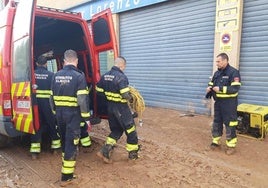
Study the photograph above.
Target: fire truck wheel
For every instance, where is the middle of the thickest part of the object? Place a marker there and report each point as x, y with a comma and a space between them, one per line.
3, 140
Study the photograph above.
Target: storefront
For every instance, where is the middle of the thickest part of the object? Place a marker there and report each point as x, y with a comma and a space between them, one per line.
169, 46
253, 54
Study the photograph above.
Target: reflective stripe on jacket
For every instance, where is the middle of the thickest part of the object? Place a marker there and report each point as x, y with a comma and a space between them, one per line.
43, 79
69, 89
228, 80
118, 85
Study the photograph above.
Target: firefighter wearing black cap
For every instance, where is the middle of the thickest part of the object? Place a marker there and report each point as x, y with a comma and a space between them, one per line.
224, 87
47, 118
71, 101
114, 85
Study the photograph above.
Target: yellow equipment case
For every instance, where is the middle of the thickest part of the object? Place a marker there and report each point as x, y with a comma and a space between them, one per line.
252, 120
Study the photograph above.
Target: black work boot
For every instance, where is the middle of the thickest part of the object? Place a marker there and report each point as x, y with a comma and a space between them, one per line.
214, 146
133, 155
105, 153
68, 179
230, 151
35, 155
56, 151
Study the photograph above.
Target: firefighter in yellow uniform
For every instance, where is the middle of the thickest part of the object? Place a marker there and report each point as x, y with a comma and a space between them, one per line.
224, 88
71, 102
114, 86
47, 118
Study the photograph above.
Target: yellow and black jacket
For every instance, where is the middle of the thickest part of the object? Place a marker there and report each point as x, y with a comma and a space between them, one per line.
43, 81
114, 85
229, 82
69, 90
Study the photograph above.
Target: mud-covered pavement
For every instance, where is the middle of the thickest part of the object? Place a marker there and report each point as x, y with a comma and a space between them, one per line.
173, 154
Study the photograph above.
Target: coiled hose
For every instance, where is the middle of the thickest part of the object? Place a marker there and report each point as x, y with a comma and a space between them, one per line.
137, 104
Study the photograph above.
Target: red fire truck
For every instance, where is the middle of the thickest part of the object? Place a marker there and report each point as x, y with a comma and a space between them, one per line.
27, 31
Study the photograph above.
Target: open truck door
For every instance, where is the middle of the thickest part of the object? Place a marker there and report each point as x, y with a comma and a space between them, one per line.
103, 39
25, 110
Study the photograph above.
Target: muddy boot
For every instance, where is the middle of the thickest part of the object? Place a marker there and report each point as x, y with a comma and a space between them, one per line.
72, 181
133, 155
34, 156
56, 151
214, 146
230, 151
68, 179
67, 183
105, 153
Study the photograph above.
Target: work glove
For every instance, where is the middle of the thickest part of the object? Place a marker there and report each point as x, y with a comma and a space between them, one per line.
134, 114
209, 95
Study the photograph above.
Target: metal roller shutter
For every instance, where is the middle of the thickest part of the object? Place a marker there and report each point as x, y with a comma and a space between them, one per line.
169, 52
254, 53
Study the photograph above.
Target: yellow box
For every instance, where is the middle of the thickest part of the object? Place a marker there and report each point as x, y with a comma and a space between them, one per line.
252, 120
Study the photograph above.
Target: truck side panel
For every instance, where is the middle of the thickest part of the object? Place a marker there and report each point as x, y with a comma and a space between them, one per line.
33, 32
6, 25
23, 99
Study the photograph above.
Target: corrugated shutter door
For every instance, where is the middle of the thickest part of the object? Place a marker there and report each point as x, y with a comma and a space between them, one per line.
169, 52
254, 53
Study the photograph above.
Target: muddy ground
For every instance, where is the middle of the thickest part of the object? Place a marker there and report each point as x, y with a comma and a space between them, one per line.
174, 154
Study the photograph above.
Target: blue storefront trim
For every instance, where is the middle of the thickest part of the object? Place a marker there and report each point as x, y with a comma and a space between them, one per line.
92, 7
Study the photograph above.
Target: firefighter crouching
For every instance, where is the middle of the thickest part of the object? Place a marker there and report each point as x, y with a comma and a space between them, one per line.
114, 86
71, 102
47, 118
224, 88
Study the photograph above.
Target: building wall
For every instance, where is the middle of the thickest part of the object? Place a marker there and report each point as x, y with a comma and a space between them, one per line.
250, 59
253, 64
170, 54
60, 4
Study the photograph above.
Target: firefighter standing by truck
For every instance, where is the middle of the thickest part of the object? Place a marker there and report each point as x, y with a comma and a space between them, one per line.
224, 88
71, 102
114, 86
47, 118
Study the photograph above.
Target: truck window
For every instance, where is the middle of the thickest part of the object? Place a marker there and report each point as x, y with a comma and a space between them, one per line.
106, 61
101, 31
22, 42
52, 65
21, 68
